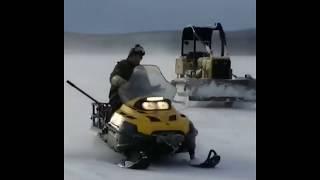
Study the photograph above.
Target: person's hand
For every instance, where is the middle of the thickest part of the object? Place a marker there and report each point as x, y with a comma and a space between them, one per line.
117, 81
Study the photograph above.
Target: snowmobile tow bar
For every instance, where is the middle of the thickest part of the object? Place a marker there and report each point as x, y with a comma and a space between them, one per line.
71, 84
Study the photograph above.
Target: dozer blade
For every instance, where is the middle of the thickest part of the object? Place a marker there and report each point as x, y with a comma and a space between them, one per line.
223, 90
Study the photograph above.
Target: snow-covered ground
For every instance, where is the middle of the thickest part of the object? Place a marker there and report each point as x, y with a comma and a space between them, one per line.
231, 132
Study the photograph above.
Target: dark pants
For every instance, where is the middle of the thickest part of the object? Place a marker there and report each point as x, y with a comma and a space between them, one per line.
115, 103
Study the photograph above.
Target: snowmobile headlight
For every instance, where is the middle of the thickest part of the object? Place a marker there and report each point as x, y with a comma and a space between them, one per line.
160, 105
149, 105
163, 105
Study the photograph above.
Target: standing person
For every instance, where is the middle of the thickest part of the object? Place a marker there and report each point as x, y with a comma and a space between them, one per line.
122, 73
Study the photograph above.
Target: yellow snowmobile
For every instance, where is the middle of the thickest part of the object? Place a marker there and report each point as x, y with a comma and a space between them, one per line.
147, 125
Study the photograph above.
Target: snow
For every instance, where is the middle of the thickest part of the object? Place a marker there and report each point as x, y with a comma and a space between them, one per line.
231, 132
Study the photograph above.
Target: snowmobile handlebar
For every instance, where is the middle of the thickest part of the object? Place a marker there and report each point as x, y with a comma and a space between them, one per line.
71, 84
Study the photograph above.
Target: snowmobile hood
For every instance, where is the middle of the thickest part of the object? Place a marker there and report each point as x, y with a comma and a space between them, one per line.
149, 122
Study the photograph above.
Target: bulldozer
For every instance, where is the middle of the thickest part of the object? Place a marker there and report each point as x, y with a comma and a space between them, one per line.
204, 70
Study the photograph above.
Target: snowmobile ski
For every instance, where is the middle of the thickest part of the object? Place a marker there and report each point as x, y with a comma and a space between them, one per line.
143, 162
212, 160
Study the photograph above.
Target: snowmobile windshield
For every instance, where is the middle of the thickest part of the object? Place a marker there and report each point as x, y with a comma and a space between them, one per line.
146, 81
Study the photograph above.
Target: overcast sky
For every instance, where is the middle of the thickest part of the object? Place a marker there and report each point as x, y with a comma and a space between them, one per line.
121, 16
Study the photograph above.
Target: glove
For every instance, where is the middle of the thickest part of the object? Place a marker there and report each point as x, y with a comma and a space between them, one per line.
117, 81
